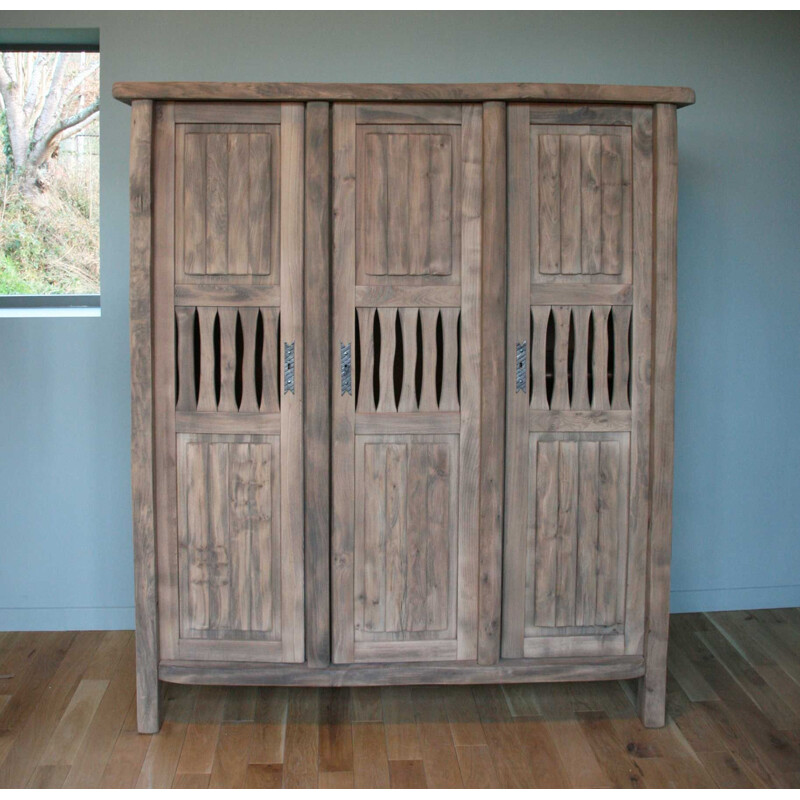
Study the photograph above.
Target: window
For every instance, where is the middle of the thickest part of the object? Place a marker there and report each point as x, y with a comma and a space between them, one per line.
49, 175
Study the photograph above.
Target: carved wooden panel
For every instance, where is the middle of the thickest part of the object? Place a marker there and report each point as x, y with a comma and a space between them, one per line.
408, 203
406, 402
229, 537
577, 531
579, 358
406, 538
580, 203
227, 202
407, 359
228, 359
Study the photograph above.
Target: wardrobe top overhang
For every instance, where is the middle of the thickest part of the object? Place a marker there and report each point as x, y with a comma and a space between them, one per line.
406, 92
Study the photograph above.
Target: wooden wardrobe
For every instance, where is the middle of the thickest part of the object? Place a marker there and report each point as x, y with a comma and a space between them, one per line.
402, 383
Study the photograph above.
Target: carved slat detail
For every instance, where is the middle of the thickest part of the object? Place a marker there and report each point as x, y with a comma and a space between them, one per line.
207, 397
622, 361
449, 397
227, 356
386, 319
187, 398
249, 320
600, 358
427, 400
408, 330
366, 324
560, 399
581, 343
539, 357
269, 361
580, 362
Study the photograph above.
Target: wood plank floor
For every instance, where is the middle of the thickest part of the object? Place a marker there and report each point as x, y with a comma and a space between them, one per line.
67, 719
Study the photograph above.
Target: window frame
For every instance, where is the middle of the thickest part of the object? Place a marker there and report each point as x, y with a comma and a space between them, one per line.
55, 40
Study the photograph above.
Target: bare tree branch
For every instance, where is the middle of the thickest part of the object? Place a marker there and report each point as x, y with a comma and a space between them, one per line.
32, 95
10, 66
52, 105
15, 120
5, 78
40, 146
76, 82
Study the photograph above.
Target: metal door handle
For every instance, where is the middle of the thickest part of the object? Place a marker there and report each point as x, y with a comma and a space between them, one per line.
522, 366
288, 367
345, 368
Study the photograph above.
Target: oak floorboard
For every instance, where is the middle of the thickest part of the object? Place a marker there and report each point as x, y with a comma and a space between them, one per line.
336, 780
161, 761
477, 767
264, 776
54, 697
370, 764
229, 770
101, 736
301, 750
405, 774
335, 732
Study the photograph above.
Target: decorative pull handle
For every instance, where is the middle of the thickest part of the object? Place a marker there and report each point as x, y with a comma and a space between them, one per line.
522, 366
288, 367
345, 368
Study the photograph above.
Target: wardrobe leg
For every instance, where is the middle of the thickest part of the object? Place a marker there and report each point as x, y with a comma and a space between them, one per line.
149, 700
652, 697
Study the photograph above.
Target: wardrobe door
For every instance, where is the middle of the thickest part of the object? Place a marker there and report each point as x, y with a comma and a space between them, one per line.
578, 390
228, 396
406, 345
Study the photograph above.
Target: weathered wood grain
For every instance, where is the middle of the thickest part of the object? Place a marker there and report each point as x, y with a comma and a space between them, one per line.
144, 531
653, 686
399, 92
492, 382
318, 354
343, 421
292, 402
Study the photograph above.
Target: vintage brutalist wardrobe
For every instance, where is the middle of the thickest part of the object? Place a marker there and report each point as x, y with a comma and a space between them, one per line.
402, 383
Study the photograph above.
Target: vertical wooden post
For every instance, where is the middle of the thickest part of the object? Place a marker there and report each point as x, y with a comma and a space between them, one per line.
144, 538
319, 356
493, 369
652, 687
517, 441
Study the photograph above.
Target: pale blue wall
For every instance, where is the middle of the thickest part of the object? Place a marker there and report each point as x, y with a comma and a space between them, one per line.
65, 531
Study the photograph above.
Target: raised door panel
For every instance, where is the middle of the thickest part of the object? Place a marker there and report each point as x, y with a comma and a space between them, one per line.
229, 537
407, 199
578, 400
576, 543
580, 203
227, 196
228, 350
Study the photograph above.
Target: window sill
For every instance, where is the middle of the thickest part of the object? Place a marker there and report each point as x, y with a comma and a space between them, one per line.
76, 305
66, 311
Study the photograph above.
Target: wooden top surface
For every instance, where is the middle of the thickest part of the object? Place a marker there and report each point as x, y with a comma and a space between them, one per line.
406, 92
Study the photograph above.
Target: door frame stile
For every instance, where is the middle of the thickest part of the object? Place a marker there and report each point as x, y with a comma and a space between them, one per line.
343, 405
142, 432
652, 687
165, 455
517, 433
641, 376
292, 477
319, 352
493, 368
